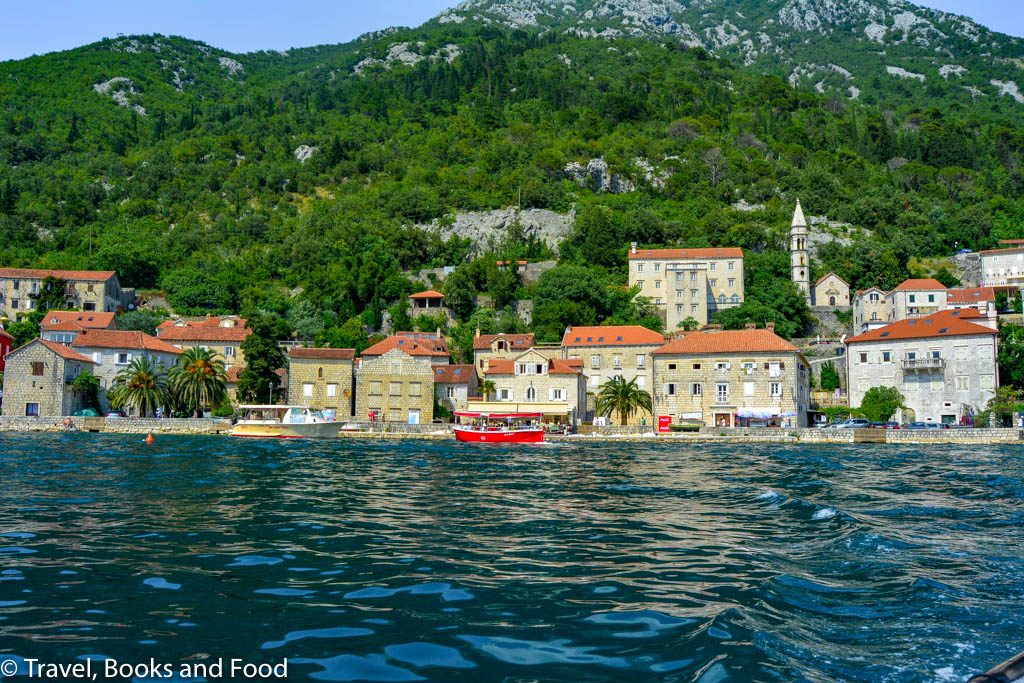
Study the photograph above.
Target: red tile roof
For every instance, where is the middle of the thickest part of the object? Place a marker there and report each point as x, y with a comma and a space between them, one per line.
76, 320
454, 374
970, 295
507, 366
5, 335
322, 354
519, 342
942, 324
714, 252
122, 339
74, 275
727, 341
919, 284
611, 335
429, 294
1011, 250
63, 351
203, 330
412, 343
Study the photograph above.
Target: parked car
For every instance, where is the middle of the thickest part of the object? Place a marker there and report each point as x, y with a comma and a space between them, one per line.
854, 423
885, 425
115, 413
916, 425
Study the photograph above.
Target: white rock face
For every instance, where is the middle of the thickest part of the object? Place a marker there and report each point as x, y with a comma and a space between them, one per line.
815, 15
743, 206
900, 72
723, 35
406, 54
234, 68
876, 32
947, 70
975, 93
122, 91
596, 177
854, 92
1010, 89
654, 177
489, 229
304, 153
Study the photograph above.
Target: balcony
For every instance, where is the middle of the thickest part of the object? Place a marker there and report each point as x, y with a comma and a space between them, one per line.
924, 364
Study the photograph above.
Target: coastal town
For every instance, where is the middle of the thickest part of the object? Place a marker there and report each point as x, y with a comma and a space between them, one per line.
937, 347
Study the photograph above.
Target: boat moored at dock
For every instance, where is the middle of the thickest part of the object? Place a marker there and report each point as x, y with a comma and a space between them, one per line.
284, 422
499, 428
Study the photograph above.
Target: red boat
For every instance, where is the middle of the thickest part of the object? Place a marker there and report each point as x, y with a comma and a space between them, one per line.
499, 428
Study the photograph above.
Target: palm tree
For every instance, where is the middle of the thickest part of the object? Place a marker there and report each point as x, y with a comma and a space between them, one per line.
141, 385
487, 388
622, 397
198, 380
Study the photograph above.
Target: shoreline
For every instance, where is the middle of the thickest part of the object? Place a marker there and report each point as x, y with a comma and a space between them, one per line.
214, 426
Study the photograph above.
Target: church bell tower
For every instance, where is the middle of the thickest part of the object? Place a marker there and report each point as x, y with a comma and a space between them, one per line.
799, 266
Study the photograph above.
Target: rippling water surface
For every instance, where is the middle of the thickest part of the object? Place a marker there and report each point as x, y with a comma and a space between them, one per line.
436, 561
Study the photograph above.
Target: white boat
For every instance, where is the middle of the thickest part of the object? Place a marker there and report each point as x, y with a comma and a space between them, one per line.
283, 422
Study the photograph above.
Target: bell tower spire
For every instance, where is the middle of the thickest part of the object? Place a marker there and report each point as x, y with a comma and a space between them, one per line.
798, 257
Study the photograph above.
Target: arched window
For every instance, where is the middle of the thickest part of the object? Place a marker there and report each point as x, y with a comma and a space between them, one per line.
721, 298
319, 373
531, 394
735, 298
831, 301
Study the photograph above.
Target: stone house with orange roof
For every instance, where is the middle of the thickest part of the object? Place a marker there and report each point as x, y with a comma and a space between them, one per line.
729, 378
830, 291
111, 351
536, 382
944, 364
38, 380
322, 379
501, 345
63, 326
688, 283
454, 385
223, 335
915, 297
429, 345
86, 290
396, 387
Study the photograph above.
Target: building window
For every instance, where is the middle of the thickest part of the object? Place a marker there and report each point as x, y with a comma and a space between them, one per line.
31, 410
332, 390
595, 362
774, 369
912, 298
775, 389
657, 267
935, 353
395, 388
396, 366
617, 361
721, 366
670, 389
721, 298
88, 306
732, 282
693, 276
714, 283
679, 309
531, 394
863, 358
693, 308
640, 284
229, 351
886, 357
416, 389
449, 392
873, 297
374, 388
657, 284
671, 366
16, 284
962, 383
722, 392
557, 394
931, 298
735, 298
124, 358
639, 267
504, 394
394, 415
641, 361
37, 369
711, 266
732, 265
696, 389
14, 304
319, 373
307, 391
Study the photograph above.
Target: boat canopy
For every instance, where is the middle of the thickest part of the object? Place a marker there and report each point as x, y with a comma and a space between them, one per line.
501, 416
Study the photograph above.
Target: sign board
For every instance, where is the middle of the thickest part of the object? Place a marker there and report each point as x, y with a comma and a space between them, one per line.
664, 422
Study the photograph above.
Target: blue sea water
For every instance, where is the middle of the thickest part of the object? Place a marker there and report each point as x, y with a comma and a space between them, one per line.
388, 561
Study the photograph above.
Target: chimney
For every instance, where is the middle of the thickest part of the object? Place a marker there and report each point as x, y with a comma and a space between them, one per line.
632, 247
476, 335
438, 333
770, 326
750, 326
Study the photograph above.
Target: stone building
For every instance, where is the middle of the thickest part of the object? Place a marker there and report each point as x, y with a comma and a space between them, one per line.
63, 326
980, 298
1002, 267
37, 381
428, 345
943, 364
430, 302
454, 385
728, 378
222, 335
688, 283
915, 298
799, 258
869, 310
6, 344
536, 383
112, 351
395, 387
322, 379
487, 346
830, 291
85, 290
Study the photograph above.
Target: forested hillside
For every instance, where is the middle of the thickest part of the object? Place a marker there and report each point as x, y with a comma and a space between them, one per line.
291, 182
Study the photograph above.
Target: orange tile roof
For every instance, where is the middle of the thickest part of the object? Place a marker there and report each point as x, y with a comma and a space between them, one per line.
919, 284
611, 335
75, 275
727, 341
714, 252
204, 330
59, 320
454, 374
1011, 250
429, 294
507, 366
942, 324
322, 354
970, 295
519, 342
412, 343
122, 339
63, 351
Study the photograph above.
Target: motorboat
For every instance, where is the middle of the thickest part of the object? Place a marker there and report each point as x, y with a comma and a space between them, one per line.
499, 428
283, 422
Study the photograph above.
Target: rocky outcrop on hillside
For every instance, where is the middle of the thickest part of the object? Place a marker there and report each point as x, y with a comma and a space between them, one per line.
488, 229
122, 90
408, 54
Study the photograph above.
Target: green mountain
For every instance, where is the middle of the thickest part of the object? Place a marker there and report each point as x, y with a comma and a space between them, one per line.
300, 183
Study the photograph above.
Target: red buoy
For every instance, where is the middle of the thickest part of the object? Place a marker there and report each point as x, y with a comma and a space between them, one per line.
149, 439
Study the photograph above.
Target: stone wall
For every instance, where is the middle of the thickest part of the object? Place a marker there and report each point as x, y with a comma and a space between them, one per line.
964, 436
126, 425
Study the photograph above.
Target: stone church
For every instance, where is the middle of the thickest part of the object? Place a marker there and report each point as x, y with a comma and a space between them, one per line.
830, 290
